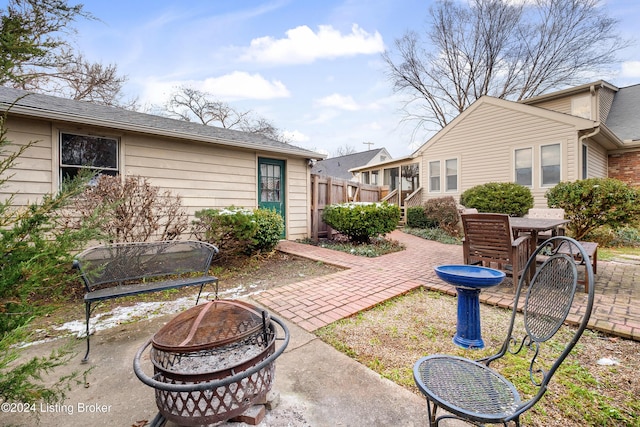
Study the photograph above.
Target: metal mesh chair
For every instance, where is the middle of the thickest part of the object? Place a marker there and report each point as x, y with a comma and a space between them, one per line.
474, 392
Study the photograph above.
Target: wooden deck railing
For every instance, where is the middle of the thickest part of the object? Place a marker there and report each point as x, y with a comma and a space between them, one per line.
414, 199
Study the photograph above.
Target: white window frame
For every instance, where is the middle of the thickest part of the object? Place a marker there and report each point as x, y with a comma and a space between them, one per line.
448, 189
439, 176
110, 169
531, 167
542, 164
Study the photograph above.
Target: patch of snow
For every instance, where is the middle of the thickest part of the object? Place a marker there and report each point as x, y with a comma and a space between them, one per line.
606, 361
120, 315
141, 310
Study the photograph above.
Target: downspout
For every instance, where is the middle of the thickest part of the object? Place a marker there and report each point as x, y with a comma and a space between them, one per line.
581, 140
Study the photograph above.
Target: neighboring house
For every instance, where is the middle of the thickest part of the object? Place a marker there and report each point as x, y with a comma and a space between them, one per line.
208, 167
587, 131
339, 167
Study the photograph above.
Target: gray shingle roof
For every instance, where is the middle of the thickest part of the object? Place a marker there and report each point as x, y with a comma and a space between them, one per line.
81, 112
624, 117
338, 167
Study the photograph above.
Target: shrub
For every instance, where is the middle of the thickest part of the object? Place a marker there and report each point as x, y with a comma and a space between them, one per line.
594, 202
417, 218
231, 229
239, 231
36, 259
362, 221
135, 210
437, 234
444, 212
498, 197
270, 227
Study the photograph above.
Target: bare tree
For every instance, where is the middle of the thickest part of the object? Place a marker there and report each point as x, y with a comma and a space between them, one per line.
36, 53
192, 104
510, 50
344, 150
84, 81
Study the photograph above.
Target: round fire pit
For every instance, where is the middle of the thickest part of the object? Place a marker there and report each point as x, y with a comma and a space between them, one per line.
212, 362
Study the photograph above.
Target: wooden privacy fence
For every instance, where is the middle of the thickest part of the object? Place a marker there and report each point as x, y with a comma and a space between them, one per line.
326, 190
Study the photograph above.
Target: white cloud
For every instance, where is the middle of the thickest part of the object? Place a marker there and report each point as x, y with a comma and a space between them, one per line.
242, 85
303, 46
343, 102
295, 136
232, 86
338, 101
630, 69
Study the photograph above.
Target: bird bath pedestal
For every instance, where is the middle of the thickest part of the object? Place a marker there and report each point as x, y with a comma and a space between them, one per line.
469, 280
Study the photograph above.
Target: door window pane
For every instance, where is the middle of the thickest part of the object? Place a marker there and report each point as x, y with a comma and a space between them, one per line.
270, 183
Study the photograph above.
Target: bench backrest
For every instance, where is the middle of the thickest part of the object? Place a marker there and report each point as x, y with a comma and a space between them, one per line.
120, 262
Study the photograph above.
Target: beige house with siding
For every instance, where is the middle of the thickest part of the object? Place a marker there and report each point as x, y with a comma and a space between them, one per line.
207, 167
587, 131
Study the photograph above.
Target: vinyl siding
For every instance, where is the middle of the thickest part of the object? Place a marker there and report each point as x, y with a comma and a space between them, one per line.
561, 105
605, 96
32, 173
484, 142
203, 175
597, 161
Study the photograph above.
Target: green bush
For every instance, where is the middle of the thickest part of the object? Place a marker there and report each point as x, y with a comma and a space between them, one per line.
231, 229
238, 231
417, 218
270, 227
592, 203
362, 221
37, 251
498, 197
444, 212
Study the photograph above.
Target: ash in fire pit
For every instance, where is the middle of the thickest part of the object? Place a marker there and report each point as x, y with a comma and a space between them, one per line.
212, 362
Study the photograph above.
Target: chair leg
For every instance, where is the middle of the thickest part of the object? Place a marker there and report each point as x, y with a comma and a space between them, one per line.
432, 413
199, 292
87, 306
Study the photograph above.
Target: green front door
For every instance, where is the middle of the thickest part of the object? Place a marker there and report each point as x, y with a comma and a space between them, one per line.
271, 186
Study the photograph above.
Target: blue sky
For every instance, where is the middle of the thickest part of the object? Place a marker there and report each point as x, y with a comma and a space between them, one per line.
311, 67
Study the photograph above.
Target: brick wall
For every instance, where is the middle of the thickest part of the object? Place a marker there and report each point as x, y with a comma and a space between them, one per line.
625, 167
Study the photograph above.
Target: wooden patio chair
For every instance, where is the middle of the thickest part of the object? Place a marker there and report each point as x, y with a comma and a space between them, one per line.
488, 241
477, 393
555, 213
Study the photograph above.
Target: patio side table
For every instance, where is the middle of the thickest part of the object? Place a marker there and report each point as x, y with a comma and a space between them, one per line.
469, 280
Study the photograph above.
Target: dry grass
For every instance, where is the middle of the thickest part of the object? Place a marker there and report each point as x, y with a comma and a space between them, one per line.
391, 337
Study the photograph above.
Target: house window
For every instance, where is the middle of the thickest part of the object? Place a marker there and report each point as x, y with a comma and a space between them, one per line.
391, 178
434, 176
550, 164
374, 177
451, 166
365, 178
581, 106
78, 152
524, 166
585, 161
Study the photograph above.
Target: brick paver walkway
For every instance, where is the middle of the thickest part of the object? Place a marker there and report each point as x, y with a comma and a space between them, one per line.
366, 282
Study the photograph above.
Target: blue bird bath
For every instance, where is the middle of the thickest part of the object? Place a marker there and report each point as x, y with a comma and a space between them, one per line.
469, 280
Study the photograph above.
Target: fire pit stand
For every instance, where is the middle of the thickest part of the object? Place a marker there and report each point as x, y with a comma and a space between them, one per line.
212, 362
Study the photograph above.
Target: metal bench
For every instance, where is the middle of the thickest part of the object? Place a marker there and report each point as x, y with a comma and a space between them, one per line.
475, 392
124, 269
